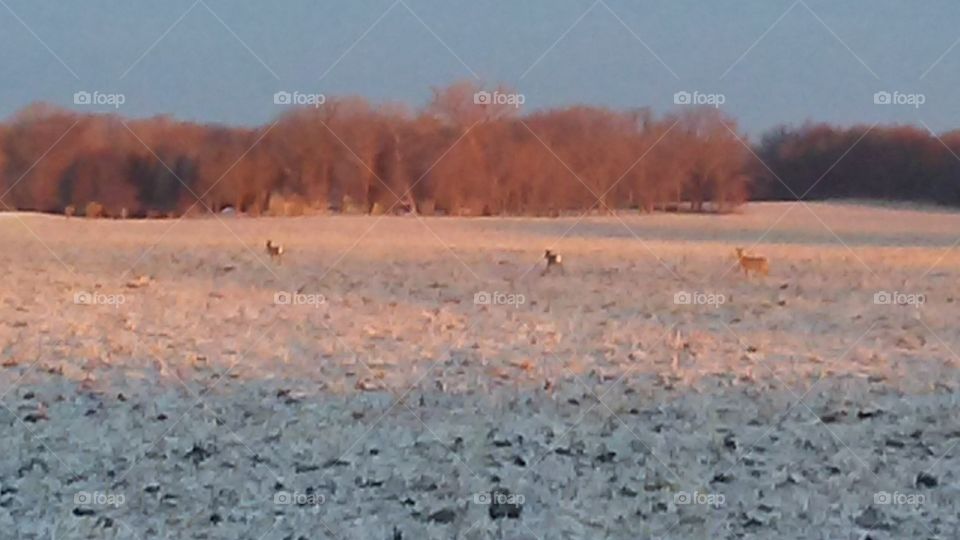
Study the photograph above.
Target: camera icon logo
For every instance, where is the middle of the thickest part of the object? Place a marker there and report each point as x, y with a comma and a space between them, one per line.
882, 298
683, 98
282, 497
882, 98
682, 298
82, 298
482, 98
82, 98
482, 298
681, 497
881, 497
82, 498
282, 298
283, 98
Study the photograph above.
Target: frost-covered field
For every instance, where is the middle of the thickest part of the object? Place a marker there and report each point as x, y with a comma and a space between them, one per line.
167, 380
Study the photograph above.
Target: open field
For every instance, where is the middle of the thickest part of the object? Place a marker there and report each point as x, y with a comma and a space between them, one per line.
165, 379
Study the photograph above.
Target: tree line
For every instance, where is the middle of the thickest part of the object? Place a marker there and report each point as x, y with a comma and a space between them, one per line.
458, 155
821, 161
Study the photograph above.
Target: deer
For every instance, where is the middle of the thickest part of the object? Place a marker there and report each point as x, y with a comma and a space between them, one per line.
758, 265
553, 259
275, 251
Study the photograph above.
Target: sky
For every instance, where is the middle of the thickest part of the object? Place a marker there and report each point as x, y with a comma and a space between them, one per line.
764, 62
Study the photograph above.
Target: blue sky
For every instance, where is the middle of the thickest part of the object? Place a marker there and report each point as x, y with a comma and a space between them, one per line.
221, 60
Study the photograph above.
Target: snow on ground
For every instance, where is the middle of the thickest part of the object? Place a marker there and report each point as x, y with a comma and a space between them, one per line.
419, 378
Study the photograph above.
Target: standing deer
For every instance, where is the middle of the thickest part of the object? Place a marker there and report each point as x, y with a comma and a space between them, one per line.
275, 251
553, 259
748, 263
